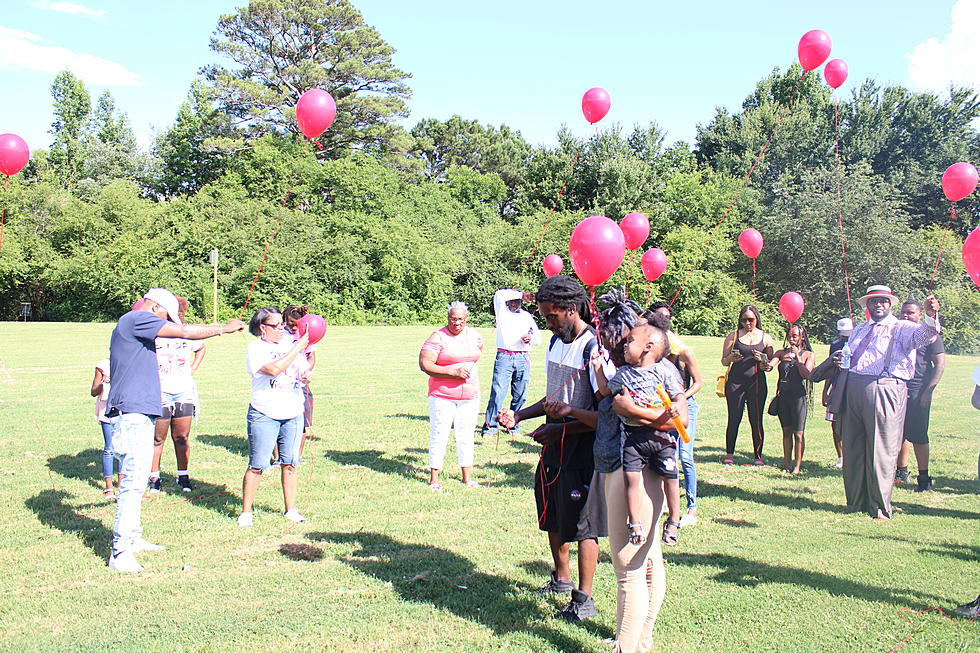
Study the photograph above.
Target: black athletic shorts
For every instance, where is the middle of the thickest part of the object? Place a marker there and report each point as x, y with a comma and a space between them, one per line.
917, 420
178, 409
650, 448
307, 407
569, 503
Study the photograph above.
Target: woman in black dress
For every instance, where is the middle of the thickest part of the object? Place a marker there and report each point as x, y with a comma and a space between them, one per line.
748, 351
795, 392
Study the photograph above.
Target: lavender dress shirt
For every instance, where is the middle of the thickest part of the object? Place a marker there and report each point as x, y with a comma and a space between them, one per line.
870, 341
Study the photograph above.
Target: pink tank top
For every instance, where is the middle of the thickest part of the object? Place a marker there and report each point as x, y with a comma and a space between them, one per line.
455, 351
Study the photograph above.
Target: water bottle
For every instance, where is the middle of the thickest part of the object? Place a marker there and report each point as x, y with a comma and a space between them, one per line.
845, 358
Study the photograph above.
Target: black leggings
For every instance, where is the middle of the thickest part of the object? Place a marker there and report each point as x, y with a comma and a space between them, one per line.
751, 394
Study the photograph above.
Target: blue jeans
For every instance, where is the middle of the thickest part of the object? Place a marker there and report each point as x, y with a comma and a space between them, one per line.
264, 433
686, 453
132, 445
107, 457
508, 369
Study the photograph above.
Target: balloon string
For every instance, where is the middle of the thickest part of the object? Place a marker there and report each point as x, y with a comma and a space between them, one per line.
745, 180
315, 142
547, 220
840, 212
649, 289
942, 243
268, 244
753, 278
629, 270
919, 628
3, 210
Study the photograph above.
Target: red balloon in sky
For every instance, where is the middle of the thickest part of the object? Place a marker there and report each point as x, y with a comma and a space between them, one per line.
971, 255
14, 154
552, 265
814, 48
653, 263
835, 72
791, 306
750, 242
315, 112
596, 248
959, 180
635, 228
595, 104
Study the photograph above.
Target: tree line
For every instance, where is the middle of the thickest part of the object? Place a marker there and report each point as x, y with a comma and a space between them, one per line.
380, 223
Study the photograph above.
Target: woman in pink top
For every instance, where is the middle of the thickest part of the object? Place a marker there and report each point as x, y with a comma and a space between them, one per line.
449, 357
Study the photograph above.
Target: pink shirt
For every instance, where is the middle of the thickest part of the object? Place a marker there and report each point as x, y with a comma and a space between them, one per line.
455, 351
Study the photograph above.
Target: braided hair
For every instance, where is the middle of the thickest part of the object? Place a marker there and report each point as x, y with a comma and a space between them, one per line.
619, 316
566, 293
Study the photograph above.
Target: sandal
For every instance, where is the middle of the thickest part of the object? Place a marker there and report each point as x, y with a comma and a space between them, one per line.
728, 461
472, 483
108, 492
636, 533
670, 539
435, 487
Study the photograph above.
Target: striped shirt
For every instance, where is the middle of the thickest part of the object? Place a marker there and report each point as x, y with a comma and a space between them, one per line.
870, 342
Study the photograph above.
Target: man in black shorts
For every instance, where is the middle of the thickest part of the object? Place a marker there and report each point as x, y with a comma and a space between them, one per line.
930, 363
569, 500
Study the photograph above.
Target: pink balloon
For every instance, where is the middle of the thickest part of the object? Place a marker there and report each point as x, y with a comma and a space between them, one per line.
552, 265
596, 248
814, 48
137, 305
315, 112
313, 323
636, 229
971, 255
653, 263
835, 72
14, 154
959, 180
791, 306
750, 242
595, 104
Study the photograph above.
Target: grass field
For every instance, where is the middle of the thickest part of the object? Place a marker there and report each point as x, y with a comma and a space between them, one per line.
384, 564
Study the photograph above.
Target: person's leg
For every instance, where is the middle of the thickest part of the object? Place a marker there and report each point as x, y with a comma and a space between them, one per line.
672, 496
132, 441
289, 432
635, 498
883, 446
787, 448
656, 574
755, 401
835, 428
903, 455
107, 457
588, 558
857, 412
922, 462
686, 455
464, 425
559, 555
250, 484
498, 391
518, 381
180, 431
262, 434
735, 399
441, 412
798, 446
307, 421
160, 431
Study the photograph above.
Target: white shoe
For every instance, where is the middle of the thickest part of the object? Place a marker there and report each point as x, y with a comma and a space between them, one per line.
245, 519
687, 519
143, 545
125, 562
295, 516
840, 463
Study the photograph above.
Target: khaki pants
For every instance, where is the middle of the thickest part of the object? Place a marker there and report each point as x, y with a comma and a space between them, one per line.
873, 417
640, 576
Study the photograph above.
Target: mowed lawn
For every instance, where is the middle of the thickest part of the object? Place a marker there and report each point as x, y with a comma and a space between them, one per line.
384, 564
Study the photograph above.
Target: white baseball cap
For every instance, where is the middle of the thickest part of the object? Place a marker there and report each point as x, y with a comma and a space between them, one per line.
164, 298
845, 325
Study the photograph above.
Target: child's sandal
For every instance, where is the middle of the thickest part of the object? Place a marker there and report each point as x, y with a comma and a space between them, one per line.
670, 539
636, 533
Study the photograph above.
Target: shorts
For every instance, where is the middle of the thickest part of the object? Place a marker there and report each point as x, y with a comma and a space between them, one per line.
653, 449
264, 433
307, 407
917, 420
181, 404
570, 502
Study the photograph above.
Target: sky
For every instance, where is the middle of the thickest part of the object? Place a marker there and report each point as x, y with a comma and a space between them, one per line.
523, 63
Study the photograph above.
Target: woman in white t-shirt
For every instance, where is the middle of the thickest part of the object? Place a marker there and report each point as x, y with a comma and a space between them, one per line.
177, 360
275, 413
100, 390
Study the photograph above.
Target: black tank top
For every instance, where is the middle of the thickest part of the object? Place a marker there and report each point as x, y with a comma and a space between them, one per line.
790, 381
746, 368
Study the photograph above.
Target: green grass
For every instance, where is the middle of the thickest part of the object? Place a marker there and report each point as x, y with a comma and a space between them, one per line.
384, 564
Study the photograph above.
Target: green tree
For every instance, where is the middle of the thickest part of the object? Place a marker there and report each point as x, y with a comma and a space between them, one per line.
72, 105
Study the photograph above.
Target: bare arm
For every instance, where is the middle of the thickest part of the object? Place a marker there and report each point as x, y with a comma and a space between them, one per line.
691, 362
97, 383
559, 409
728, 353
427, 363
198, 331
280, 365
805, 364
198, 358
937, 371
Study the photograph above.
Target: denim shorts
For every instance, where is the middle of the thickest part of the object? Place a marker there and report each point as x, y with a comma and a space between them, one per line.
178, 404
264, 433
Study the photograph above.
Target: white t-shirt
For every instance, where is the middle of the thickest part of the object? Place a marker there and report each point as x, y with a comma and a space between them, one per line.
174, 358
278, 397
572, 355
102, 401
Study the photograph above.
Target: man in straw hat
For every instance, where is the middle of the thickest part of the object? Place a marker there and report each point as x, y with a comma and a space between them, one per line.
874, 397
134, 404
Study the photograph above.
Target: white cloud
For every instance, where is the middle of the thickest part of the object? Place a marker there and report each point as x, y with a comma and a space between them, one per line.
69, 8
20, 50
935, 64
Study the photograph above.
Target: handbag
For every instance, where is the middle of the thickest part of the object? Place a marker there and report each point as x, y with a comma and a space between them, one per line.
774, 406
722, 379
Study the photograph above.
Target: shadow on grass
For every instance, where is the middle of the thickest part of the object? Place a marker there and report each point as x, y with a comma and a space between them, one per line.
810, 469
964, 552
51, 511
417, 418
513, 474
233, 443
751, 573
768, 498
302, 552
84, 466
448, 581
735, 523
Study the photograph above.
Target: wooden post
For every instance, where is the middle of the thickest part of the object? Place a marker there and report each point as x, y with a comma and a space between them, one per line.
214, 291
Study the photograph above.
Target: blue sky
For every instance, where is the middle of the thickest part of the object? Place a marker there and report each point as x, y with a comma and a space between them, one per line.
520, 63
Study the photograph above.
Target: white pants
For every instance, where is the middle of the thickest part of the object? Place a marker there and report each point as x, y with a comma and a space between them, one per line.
445, 414
132, 445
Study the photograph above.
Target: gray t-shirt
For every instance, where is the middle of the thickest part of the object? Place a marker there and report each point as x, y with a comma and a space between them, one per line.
641, 383
133, 361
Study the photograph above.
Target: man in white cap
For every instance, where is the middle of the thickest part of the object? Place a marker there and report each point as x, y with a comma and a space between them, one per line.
875, 397
133, 406
517, 332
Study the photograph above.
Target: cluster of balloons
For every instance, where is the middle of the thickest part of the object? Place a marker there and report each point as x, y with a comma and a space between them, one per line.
813, 50
315, 112
14, 154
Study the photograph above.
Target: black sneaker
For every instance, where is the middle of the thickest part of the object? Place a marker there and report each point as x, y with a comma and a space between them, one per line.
155, 485
580, 608
925, 484
902, 475
185, 483
969, 610
555, 586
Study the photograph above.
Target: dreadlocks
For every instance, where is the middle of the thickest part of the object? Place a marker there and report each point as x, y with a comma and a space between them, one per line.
566, 293
619, 316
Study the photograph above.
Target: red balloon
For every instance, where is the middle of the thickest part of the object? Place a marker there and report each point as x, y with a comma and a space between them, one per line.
137, 305
959, 180
595, 104
835, 72
791, 306
552, 265
315, 112
814, 48
596, 248
750, 242
314, 324
635, 228
653, 263
14, 154
971, 255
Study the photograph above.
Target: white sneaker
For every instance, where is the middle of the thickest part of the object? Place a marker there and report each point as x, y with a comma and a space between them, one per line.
245, 519
295, 516
840, 463
125, 562
687, 519
143, 545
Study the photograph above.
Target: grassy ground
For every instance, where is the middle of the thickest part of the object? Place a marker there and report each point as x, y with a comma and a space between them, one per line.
384, 564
